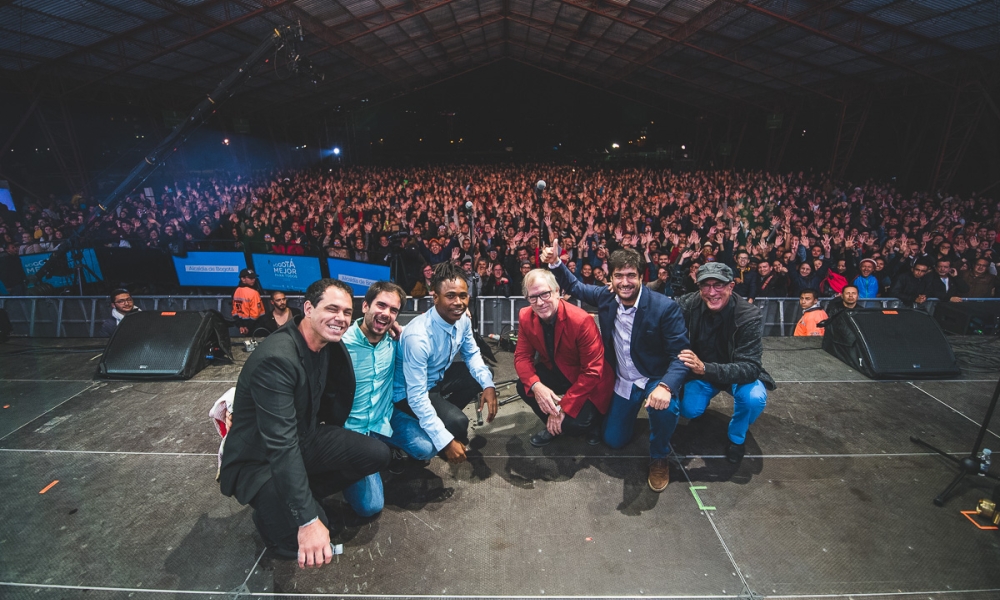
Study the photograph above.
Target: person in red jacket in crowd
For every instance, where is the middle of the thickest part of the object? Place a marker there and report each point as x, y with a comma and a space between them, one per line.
570, 385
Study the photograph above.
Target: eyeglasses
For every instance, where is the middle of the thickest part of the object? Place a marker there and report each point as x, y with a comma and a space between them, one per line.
543, 297
124, 301
718, 286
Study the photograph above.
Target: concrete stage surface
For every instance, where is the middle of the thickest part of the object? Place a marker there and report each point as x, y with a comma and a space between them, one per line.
832, 500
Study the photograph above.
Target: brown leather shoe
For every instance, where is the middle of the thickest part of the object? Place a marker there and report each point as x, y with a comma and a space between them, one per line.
659, 474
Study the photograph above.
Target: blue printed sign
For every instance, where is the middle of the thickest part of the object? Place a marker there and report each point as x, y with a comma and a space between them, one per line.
358, 275
286, 273
91, 271
210, 269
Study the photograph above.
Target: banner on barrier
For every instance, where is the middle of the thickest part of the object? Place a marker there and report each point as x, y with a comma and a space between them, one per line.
210, 269
31, 263
358, 275
286, 273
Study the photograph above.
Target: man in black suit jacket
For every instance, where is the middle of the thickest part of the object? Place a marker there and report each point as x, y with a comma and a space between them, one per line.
643, 334
284, 452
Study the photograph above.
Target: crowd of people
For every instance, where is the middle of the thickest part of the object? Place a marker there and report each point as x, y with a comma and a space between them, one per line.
781, 233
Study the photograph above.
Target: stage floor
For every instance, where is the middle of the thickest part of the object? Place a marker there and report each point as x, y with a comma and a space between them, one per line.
832, 500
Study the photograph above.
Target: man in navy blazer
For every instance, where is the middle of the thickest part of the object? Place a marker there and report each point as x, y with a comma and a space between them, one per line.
643, 333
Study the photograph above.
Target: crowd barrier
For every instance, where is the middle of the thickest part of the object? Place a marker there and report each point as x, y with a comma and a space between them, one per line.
81, 316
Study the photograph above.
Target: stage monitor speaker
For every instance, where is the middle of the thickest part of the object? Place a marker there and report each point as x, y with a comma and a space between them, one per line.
891, 344
165, 345
969, 318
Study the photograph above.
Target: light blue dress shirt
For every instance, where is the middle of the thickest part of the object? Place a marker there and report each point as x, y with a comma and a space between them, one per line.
426, 349
374, 370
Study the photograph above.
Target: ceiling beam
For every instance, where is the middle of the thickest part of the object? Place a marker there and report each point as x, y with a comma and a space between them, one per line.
837, 40
662, 34
175, 47
532, 23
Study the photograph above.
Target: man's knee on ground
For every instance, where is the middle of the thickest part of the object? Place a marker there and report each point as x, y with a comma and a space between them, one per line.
615, 440
369, 510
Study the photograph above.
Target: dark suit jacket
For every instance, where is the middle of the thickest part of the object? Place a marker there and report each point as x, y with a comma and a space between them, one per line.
579, 356
277, 406
658, 332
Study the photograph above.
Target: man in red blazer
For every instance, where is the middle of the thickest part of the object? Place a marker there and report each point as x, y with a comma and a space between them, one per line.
570, 385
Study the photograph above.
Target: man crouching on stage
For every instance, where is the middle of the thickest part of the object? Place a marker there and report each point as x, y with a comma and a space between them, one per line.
570, 385
279, 458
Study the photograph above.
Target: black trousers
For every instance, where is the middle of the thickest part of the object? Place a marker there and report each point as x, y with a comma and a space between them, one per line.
334, 458
453, 393
585, 420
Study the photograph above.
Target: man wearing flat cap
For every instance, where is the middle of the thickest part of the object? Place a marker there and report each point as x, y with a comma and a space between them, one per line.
726, 335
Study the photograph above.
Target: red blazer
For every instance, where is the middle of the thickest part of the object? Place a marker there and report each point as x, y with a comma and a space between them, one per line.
579, 356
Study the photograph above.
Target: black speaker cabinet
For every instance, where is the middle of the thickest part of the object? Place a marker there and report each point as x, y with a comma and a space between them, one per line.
891, 344
969, 318
165, 345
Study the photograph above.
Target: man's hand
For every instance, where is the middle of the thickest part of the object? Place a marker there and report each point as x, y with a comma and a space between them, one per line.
314, 545
396, 330
553, 258
455, 452
554, 424
659, 398
691, 361
921, 299
489, 398
954, 299
547, 400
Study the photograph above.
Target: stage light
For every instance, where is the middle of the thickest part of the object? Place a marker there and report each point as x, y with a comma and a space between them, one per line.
683, 147
336, 151
615, 146
225, 141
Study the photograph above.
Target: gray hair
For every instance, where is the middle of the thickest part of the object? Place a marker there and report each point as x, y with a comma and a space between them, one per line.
545, 275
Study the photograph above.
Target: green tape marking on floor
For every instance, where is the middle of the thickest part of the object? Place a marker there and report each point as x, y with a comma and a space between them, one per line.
694, 492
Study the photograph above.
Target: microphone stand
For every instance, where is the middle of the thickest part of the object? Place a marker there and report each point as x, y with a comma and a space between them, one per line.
971, 464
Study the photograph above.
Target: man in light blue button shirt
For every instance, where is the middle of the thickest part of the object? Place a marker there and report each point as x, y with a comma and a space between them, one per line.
435, 390
373, 354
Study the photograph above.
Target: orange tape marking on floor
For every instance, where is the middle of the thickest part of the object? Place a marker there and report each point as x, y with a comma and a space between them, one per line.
968, 515
49, 487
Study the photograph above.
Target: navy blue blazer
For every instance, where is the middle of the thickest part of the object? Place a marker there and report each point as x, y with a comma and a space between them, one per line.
658, 332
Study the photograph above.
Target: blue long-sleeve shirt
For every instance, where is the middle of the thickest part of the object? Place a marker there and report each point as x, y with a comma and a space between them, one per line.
426, 349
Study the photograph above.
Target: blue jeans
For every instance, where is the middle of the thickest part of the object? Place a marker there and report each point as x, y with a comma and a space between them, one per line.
619, 424
366, 496
749, 400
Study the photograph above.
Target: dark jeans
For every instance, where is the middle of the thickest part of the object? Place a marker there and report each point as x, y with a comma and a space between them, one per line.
455, 390
584, 421
334, 458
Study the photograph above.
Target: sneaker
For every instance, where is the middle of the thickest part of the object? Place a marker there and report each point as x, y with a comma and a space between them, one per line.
659, 474
735, 452
542, 438
397, 464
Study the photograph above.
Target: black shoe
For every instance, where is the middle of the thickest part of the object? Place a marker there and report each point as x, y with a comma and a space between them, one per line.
397, 464
542, 438
735, 452
594, 436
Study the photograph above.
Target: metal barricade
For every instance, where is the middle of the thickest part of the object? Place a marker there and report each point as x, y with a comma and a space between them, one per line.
81, 316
